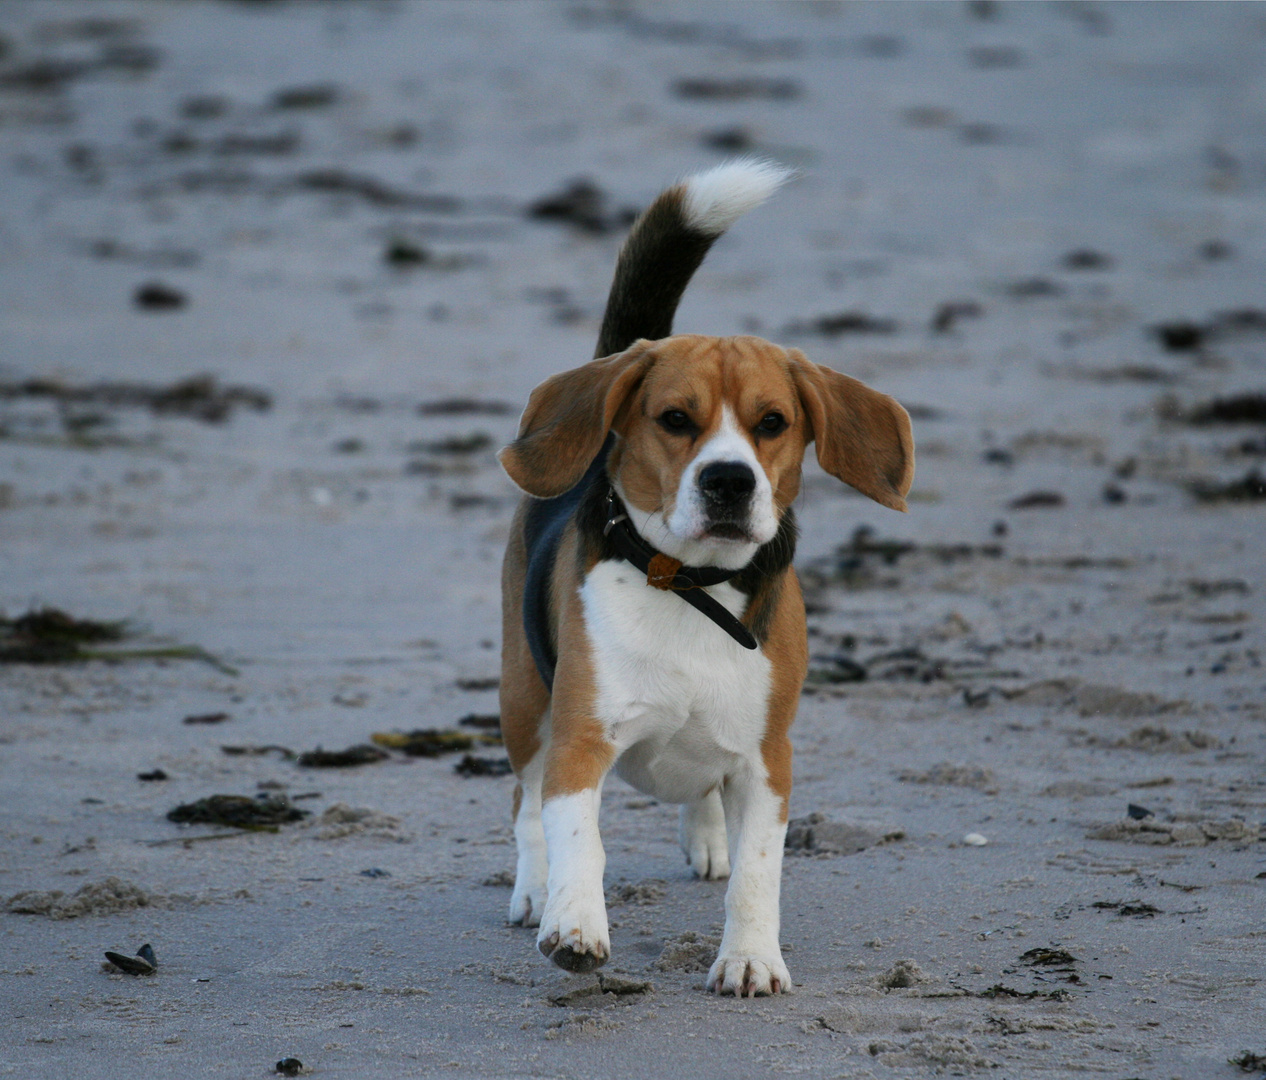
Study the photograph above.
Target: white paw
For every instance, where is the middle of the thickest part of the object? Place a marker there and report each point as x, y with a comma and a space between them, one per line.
707, 855
527, 903
574, 933
703, 837
749, 976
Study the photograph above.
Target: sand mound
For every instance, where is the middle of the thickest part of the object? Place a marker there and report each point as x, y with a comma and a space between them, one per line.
939, 1050
688, 952
902, 974
341, 820
1179, 833
106, 897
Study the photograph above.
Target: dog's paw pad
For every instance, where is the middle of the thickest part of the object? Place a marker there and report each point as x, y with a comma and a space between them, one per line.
578, 963
575, 950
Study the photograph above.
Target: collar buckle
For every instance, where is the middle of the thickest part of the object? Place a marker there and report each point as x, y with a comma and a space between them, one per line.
613, 518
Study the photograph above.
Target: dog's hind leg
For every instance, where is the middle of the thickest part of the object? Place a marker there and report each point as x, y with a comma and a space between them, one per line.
702, 836
531, 877
525, 716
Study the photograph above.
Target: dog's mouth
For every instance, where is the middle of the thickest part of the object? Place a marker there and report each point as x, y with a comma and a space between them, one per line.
726, 530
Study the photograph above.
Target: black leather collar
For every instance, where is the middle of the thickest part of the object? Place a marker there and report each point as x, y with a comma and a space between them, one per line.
664, 572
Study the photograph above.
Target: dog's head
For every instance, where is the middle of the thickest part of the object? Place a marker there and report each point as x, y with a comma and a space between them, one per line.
712, 432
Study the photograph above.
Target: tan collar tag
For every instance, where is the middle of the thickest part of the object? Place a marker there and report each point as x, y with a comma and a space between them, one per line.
662, 571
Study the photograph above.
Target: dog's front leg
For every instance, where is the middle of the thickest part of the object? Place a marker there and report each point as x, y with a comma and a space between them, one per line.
573, 929
749, 961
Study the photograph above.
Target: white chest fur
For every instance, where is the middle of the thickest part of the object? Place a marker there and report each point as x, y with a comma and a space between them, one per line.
680, 699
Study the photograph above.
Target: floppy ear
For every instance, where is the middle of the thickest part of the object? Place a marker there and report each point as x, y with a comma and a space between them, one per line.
567, 419
863, 437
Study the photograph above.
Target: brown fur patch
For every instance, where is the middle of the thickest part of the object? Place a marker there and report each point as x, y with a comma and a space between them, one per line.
863, 437
579, 753
524, 696
787, 647
567, 419
758, 617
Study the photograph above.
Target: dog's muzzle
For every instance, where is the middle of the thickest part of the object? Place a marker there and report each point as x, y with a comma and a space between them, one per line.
726, 487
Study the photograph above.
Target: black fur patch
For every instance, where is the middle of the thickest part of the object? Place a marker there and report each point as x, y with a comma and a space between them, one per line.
543, 529
653, 270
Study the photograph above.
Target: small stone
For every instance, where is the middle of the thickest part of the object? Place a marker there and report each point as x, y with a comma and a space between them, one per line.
975, 839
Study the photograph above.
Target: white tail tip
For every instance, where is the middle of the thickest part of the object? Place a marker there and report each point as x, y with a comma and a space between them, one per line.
715, 199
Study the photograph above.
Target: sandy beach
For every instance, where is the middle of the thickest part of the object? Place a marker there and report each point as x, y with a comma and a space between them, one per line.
277, 280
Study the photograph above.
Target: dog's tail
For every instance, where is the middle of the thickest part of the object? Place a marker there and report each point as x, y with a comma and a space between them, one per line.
669, 241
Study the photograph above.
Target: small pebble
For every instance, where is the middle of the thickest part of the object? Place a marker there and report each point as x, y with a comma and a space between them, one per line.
975, 839
291, 1066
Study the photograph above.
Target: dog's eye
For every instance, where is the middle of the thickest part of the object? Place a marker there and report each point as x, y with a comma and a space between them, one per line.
675, 420
771, 424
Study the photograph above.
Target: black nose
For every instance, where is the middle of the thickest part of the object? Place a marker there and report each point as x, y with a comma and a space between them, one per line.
727, 483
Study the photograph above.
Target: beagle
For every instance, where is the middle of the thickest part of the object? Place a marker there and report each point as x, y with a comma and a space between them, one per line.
652, 622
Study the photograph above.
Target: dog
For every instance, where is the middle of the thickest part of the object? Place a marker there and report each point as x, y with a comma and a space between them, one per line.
652, 621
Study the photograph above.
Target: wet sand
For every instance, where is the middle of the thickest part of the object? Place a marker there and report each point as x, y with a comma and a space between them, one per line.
1042, 228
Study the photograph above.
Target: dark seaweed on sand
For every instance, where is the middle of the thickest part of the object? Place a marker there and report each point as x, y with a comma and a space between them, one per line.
342, 759
1186, 335
1251, 487
199, 397
482, 766
737, 89
1136, 910
836, 669
1249, 1062
50, 636
264, 812
583, 205
462, 406
998, 990
431, 742
856, 562
1238, 409
1048, 957
453, 444
1035, 500
844, 322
